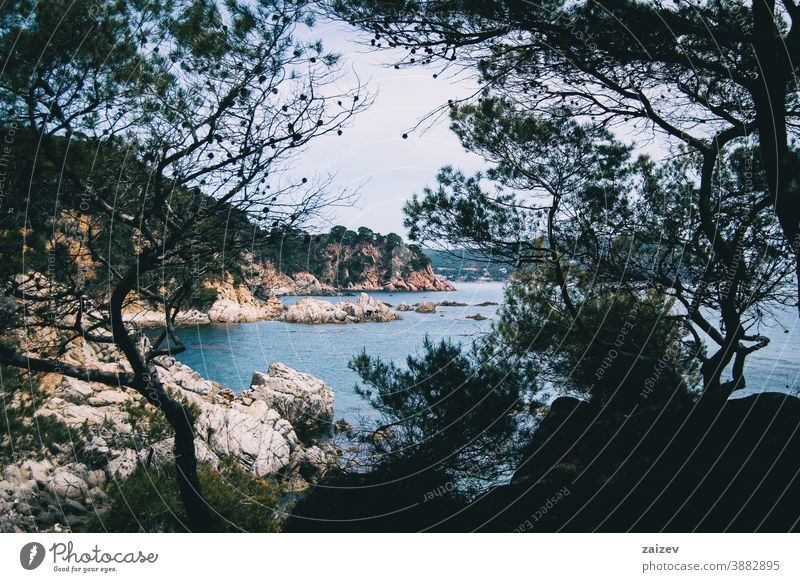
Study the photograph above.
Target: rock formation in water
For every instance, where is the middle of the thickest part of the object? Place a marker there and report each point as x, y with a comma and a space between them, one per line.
238, 304
425, 307
112, 431
477, 317
366, 309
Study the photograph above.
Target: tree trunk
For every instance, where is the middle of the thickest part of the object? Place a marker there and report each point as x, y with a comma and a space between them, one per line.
179, 417
781, 165
713, 386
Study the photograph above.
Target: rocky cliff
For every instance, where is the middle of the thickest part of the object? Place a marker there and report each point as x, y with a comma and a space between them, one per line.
306, 264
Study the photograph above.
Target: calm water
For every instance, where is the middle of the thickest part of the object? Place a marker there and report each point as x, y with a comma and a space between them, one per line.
776, 368
228, 353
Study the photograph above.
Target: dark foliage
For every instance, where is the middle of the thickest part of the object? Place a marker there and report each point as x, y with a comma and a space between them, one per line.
341, 258
149, 501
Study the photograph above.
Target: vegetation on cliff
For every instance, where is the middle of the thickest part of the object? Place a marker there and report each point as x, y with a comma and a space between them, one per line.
347, 259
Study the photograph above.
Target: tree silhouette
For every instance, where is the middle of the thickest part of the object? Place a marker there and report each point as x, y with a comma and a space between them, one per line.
592, 225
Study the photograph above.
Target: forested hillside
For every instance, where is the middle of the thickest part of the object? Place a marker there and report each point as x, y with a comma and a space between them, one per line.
341, 259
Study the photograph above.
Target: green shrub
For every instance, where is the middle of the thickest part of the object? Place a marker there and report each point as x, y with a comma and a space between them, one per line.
23, 436
147, 422
149, 501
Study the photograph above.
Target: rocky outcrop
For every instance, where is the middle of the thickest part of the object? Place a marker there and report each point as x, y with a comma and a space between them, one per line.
324, 264
113, 431
477, 317
268, 281
425, 307
231, 304
423, 279
403, 306
40, 495
302, 399
147, 316
365, 309
238, 305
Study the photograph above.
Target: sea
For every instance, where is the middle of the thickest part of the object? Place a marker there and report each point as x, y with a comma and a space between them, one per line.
229, 353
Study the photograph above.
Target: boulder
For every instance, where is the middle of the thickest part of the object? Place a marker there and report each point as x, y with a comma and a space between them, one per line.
67, 485
403, 306
477, 317
305, 401
262, 443
425, 307
316, 461
109, 398
38, 471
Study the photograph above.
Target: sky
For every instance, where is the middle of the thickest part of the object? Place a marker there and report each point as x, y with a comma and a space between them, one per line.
371, 155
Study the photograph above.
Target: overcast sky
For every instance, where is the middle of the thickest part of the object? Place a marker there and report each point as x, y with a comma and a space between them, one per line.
372, 153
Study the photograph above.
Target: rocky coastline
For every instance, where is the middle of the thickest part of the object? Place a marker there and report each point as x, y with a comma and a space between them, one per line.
266, 430
238, 304
267, 281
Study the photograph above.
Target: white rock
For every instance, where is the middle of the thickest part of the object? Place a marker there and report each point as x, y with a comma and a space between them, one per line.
76, 389
13, 474
305, 401
366, 309
65, 484
96, 479
263, 444
315, 461
109, 397
36, 470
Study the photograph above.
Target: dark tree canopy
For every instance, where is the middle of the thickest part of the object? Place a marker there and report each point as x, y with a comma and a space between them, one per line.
705, 74
587, 224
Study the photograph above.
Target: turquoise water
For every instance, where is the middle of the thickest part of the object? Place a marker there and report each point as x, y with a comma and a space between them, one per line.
228, 353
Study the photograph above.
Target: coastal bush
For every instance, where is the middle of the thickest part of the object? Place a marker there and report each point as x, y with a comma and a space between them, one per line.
450, 428
447, 410
22, 435
624, 346
149, 501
